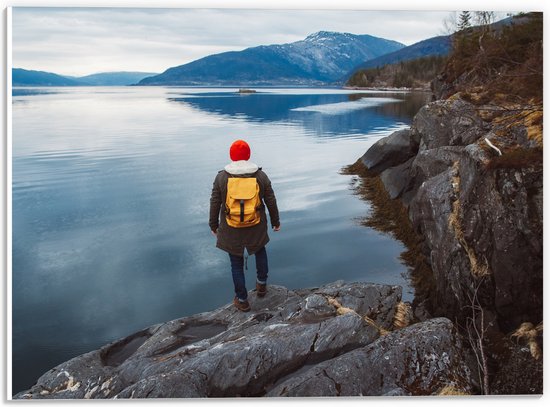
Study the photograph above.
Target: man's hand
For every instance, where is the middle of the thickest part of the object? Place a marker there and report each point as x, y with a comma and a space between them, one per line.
215, 232
276, 228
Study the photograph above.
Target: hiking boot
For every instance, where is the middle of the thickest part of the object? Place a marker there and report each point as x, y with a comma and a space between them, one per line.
243, 306
261, 289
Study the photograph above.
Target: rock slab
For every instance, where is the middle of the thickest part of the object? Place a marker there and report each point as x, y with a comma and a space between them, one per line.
286, 338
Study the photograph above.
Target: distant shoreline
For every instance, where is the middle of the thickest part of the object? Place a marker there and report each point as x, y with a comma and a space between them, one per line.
386, 89
237, 88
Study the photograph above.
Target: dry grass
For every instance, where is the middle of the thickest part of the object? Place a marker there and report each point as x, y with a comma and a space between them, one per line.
507, 62
403, 315
478, 267
340, 310
451, 391
527, 332
371, 322
528, 115
533, 120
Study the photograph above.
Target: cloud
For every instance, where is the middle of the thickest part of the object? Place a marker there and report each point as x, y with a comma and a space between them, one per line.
80, 41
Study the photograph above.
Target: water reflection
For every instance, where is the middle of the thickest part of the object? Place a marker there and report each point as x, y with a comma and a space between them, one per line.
320, 114
32, 91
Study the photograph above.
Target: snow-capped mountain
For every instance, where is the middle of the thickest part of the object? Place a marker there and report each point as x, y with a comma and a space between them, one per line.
327, 54
320, 58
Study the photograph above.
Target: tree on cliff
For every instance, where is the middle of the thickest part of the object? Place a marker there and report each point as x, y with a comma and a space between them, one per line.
464, 21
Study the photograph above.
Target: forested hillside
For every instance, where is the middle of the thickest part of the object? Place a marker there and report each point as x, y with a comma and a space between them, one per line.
416, 73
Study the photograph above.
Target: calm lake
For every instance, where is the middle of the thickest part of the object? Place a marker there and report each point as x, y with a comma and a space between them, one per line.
111, 191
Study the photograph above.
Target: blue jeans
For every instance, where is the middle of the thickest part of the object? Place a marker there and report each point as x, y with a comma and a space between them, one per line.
237, 270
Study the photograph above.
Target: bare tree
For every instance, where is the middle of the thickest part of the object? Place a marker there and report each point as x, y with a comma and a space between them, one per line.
476, 328
484, 18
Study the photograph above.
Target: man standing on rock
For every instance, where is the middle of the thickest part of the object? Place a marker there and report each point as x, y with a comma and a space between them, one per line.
238, 220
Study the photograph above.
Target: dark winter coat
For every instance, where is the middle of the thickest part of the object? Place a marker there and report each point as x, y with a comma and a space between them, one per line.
235, 240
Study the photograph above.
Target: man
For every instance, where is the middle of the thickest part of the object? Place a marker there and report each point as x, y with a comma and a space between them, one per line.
238, 220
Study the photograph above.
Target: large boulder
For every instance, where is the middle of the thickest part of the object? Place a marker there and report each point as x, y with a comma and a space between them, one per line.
422, 359
396, 179
389, 151
451, 122
404, 180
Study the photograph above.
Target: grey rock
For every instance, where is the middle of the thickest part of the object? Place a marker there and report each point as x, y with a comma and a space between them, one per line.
418, 360
502, 219
227, 353
480, 219
425, 165
429, 163
451, 122
420, 311
396, 179
498, 214
404, 180
375, 301
520, 373
167, 385
430, 212
389, 152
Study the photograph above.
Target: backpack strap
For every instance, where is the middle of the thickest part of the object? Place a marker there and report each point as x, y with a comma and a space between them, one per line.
233, 176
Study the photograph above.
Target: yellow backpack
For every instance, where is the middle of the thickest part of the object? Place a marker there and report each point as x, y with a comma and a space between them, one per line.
242, 202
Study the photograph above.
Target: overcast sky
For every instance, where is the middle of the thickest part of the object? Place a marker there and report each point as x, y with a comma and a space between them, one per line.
80, 41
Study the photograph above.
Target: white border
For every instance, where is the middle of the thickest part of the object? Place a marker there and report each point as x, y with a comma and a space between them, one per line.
389, 5
9, 201
431, 5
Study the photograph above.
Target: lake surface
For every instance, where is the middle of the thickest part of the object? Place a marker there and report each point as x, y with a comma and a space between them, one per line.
111, 189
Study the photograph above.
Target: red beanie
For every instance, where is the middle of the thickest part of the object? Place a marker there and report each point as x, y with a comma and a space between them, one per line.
239, 150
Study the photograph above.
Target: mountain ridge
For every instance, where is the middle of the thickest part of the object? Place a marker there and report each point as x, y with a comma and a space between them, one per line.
114, 78
25, 77
319, 59
435, 46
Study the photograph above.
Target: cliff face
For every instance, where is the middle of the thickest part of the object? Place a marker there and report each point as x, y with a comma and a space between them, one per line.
480, 212
472, 188
339, 339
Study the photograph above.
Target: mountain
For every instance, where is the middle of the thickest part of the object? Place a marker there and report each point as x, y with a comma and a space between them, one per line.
321, 58
435, 46
23, 77
114, 78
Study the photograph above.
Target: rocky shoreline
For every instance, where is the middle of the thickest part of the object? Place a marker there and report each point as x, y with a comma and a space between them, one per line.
471, 190
341, 339
480, 220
